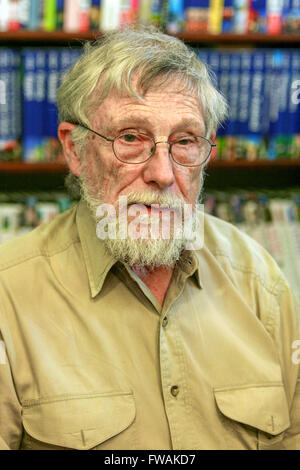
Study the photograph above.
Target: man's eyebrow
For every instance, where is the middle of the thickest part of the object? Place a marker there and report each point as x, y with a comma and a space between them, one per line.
131, 121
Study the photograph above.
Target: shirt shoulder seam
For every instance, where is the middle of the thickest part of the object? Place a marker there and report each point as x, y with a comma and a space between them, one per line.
272, 289
36, 254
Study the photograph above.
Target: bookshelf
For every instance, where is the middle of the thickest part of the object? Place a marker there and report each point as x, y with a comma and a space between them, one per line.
220, 174
24, 37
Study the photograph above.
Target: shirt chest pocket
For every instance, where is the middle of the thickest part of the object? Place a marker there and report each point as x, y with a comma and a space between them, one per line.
80, 422
255, 416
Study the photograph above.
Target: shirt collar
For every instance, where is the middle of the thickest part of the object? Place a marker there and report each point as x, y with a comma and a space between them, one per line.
99, 262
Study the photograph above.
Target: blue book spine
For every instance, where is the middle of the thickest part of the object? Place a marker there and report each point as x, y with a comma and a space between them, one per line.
214, 66
60, 14
228, 15
262, 16
16, 95
4, 103
52, 85
33, 104
29, 138
224, 61
41, 77
202, 55
285, 15
274, 103
244, 102
255, 129
283, 142
233, 98
9, 105
294, 105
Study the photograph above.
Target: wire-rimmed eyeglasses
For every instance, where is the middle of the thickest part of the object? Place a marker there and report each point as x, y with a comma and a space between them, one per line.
136, 147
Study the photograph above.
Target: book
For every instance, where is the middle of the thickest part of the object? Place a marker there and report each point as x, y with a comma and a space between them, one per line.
275, 66
84, 15
215, 16
175, 21
230, 151
241, 16
224, 89
294, 105
156, 12
50, 12
110, 14
4, 15
291, 21
14, 23
254, 142
71, 16
36, 14
9, 105
144, 11
51, 147
24, 13
228, 15
274, 16
59, 14
95, 15
244, 146
33, 93
128, 12
197, 16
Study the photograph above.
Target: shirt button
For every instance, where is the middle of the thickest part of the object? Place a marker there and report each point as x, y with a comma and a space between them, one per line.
174, 390
165, 322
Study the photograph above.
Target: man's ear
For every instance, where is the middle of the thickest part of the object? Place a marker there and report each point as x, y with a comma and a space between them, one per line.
70, 154
213, 135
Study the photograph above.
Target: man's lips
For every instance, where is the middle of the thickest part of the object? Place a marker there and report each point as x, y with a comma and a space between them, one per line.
155, 208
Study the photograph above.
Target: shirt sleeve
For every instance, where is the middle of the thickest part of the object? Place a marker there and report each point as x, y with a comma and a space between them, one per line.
287, 327
10, 409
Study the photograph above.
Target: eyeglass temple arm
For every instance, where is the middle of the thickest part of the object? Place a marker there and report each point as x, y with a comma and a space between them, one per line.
97, 133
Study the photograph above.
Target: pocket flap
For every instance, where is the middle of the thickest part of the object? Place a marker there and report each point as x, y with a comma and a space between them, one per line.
80, 422
263, 407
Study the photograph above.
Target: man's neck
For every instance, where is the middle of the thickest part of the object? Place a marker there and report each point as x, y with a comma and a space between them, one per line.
156, 279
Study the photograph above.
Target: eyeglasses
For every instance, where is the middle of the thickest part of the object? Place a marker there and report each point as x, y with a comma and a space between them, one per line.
135, 148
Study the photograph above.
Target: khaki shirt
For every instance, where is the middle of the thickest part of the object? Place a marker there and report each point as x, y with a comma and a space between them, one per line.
94, 361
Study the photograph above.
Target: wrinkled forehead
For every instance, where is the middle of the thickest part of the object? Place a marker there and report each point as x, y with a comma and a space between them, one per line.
166, 94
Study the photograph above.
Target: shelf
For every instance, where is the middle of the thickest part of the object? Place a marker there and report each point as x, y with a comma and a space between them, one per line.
257, 164
28, 168
25, 37
237, 39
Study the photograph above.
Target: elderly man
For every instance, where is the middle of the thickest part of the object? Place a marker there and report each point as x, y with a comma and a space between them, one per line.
117, 341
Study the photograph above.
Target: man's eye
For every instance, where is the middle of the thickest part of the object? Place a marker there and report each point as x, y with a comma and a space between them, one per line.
129, 137
186, 141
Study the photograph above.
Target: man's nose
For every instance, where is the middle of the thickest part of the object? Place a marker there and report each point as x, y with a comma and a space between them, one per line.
159, 169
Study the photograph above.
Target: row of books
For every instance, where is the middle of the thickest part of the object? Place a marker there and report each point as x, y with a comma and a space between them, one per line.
261, 86
28, 112
271, 218
22, 212
212, 16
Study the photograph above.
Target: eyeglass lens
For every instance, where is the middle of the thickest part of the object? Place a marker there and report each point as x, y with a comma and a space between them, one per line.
137, 148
